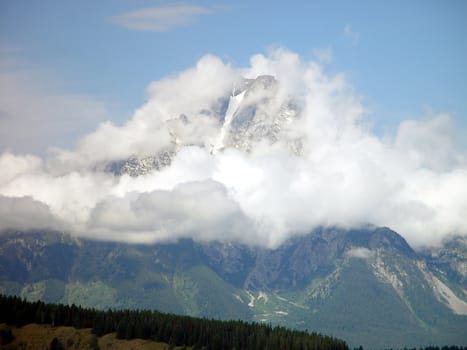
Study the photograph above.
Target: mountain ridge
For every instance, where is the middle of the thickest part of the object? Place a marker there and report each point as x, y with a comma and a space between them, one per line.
364, 285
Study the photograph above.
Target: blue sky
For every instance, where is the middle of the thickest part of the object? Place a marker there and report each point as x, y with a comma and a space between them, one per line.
406, 59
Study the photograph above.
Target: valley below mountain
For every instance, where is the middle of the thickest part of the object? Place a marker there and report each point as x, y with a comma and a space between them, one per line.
366, 286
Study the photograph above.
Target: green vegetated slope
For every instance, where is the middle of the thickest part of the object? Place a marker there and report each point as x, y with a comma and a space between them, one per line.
176, 331
360, 307
365, 286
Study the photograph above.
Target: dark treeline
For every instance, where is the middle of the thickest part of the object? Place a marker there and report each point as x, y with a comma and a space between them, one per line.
172, 329
451, 347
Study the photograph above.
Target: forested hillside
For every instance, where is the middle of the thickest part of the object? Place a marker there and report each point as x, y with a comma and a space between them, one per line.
172, 329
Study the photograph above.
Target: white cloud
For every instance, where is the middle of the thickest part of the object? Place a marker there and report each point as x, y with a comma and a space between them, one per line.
429, 143
160, 19
25, 213
13, 166
359, 253
200, 209
345, 175
196, 93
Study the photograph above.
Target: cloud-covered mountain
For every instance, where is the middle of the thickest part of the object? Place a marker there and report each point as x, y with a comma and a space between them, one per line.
254, 155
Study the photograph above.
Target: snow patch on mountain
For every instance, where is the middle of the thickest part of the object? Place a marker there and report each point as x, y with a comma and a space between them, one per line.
234, 103
360, 253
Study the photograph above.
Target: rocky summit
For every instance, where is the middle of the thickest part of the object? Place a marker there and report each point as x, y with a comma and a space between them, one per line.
255, 111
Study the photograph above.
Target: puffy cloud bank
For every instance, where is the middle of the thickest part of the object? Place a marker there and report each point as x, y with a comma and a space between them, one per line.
319, 166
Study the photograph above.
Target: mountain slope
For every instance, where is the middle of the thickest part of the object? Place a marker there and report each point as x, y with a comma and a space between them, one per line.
366, 285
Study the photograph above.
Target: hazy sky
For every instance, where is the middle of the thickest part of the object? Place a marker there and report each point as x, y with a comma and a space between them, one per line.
382, 88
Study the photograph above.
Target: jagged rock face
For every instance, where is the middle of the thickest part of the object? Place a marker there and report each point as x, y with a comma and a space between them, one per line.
261, 115
136, 166
256, 111
450, 260
231, 261
300, 259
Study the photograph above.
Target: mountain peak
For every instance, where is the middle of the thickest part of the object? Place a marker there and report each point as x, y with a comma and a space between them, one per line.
255, 112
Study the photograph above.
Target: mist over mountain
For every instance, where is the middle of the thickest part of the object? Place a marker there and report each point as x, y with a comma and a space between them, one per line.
254, 155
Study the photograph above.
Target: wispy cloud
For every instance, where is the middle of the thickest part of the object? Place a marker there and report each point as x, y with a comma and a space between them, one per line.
160, 19
351, 34
323, 55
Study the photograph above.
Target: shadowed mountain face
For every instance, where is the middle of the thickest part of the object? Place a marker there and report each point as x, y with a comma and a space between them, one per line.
365, 285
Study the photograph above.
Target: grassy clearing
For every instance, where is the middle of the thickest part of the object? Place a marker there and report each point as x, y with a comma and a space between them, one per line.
35, 336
